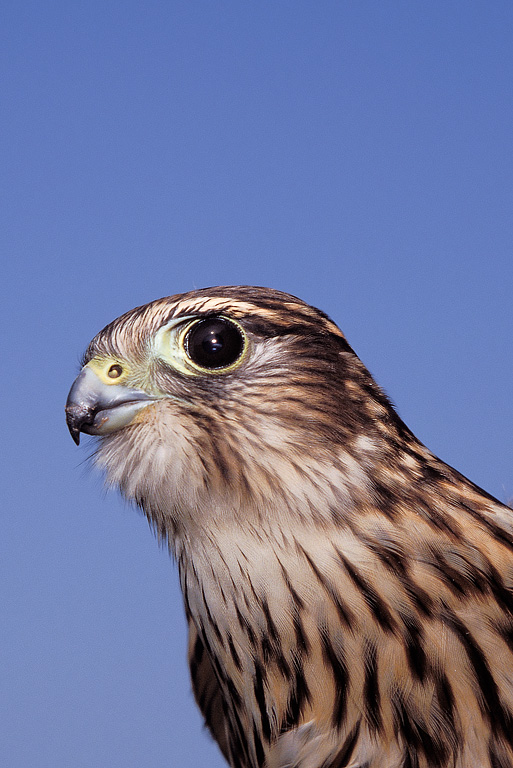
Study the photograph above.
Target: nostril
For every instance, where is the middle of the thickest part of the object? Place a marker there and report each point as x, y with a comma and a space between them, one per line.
115, 371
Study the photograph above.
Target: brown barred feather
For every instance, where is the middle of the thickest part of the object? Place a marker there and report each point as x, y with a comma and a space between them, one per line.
349, 595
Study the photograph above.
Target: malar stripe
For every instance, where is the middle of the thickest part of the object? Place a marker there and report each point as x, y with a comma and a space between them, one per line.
220, 463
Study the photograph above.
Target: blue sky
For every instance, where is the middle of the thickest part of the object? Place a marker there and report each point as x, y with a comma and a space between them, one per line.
356, 154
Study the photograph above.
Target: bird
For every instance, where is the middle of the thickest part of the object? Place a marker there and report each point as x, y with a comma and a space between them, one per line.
348, 595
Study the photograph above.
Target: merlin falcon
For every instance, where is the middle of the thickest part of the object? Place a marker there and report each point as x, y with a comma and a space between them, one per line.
349, 596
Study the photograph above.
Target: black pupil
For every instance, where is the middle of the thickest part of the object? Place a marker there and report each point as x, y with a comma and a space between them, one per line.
214, 343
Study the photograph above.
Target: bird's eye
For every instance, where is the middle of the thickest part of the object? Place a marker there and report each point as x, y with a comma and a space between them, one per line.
214, 343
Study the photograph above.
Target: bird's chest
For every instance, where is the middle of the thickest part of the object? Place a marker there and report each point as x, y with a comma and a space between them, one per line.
257, 622
246, 654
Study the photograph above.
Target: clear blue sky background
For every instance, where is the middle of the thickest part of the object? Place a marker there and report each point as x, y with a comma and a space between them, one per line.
357, 154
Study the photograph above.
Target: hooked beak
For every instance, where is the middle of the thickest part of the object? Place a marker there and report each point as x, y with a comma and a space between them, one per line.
97, 408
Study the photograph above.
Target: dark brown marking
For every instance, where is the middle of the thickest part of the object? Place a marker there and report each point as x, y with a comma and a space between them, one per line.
345, 614
336, 661
259, 749
371, 689
414, 643
417, 738
375, 603
299, 695
344, 755
499, 717
258, 689
233, 652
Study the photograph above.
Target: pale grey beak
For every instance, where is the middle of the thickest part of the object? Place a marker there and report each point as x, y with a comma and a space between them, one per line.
97, 408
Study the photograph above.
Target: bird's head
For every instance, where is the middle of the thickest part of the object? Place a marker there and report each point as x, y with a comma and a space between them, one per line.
234, 393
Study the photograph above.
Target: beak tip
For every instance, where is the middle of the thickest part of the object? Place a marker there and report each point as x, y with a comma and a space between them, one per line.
74, 420
75, 434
